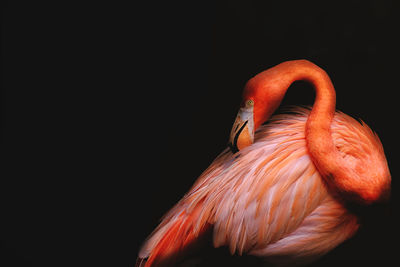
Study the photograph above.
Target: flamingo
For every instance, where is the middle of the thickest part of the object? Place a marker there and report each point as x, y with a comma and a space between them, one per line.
279, 191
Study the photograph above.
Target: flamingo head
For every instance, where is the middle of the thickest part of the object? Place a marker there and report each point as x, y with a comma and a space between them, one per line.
261, 96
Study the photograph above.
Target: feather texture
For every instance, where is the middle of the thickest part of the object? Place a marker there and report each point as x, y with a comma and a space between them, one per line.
268, 199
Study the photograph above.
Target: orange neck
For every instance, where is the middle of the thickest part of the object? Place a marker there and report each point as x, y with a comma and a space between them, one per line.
270, 86
268, 89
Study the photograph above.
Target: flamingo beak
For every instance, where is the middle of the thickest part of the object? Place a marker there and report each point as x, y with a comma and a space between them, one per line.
242, 133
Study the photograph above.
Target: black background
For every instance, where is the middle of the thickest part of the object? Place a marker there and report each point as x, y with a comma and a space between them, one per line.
111, 111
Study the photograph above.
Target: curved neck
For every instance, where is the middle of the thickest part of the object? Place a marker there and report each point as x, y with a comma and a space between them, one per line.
318, 128
270, 87
267, 90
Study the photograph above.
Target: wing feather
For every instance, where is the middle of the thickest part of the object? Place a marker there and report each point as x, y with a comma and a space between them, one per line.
261, 195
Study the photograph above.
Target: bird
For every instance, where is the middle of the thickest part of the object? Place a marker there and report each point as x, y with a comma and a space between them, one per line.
279, 191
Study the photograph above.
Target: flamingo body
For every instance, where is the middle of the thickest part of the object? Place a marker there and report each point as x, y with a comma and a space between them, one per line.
270, 199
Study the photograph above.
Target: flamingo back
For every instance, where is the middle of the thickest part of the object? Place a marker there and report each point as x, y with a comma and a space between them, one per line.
269, 199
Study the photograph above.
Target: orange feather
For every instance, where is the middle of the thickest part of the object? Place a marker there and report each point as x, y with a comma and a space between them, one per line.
282, 197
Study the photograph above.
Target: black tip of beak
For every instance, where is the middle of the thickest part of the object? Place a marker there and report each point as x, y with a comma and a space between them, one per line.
233, 148
233, 145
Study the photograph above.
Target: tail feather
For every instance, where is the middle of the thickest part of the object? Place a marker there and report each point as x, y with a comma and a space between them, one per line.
171, 241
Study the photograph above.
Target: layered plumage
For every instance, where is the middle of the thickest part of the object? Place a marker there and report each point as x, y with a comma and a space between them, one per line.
268, 200
280, 192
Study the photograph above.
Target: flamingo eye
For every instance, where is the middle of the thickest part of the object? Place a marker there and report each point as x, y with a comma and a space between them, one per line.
250, 103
